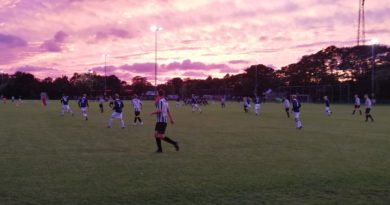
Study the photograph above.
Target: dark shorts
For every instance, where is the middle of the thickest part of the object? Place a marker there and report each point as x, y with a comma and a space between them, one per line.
287, 109
357, 106
137, 113
101, 105
161, 127
368, 110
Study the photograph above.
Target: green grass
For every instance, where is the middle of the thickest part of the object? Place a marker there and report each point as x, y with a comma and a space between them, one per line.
227, 157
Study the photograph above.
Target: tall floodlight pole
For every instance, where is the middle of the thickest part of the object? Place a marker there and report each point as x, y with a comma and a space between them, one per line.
105, 73
373, 43
90, 71
155, 29
256, 73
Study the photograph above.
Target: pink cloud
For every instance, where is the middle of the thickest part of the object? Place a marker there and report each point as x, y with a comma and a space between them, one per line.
194, 74
55, 44
11, 41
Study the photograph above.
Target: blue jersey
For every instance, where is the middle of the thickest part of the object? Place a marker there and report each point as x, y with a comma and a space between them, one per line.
257, 100
117, 105
327, 103
64, 100
296, 105
194, 100
83, 102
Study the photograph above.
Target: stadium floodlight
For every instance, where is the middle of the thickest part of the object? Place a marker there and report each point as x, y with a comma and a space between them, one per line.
373, 43
155, 29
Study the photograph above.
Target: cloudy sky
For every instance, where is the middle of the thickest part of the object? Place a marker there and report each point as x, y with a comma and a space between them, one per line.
199, 37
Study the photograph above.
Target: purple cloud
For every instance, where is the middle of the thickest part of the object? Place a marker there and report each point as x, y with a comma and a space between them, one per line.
189, 65
55, 44
11, 41
119, 33
194, 74
239, 62
33, 69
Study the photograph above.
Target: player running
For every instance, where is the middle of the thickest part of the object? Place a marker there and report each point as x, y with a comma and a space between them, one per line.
357, 105
162, 113
286, 104
223, 101
368, 105
257, 102
246, 103
195, 105
296, 106
83, 104
101, 103
327, 106
117, 107
137, 105
65, 105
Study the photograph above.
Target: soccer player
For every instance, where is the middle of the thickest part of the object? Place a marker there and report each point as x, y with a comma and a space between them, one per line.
117, 107
223, 101
162, 113
178, 104
194, 103
357, 105
368, 105
327, 106
83, 104
246, 103
137, 105
296, 106
101, 103
257, 105
286, 104
65, 105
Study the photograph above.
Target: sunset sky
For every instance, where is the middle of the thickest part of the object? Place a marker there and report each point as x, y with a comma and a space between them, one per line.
199, 37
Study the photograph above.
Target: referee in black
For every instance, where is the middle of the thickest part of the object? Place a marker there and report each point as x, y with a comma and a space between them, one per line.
162, 113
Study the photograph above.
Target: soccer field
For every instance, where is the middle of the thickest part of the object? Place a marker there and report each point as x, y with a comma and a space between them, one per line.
226, 157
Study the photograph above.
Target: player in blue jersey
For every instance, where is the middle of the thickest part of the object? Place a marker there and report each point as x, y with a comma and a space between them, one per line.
162, 113
296, 106
195, 105
83, 104
257, 103
65, 105
327, 106
117, 107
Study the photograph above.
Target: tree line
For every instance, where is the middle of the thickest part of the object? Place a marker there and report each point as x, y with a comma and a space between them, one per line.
351, 66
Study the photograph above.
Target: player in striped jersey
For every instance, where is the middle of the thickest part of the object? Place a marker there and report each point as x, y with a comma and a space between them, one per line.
286, 104
117, 107
368, 105
65, 105
162, 113
257, 102
357, 105
296, 106
137, 105
83, 104
327, 106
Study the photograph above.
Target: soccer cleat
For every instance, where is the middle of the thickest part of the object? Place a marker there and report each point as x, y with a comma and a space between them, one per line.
108, 126
158, 152
177, 146
299, 128
134, 123
123, 127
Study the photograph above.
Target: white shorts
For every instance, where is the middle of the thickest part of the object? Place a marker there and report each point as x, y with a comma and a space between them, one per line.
257, 106
65, 107
327, 109
296, 114
83, 109
116, 115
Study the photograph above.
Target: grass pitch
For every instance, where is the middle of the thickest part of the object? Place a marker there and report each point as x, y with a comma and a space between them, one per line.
226, 157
